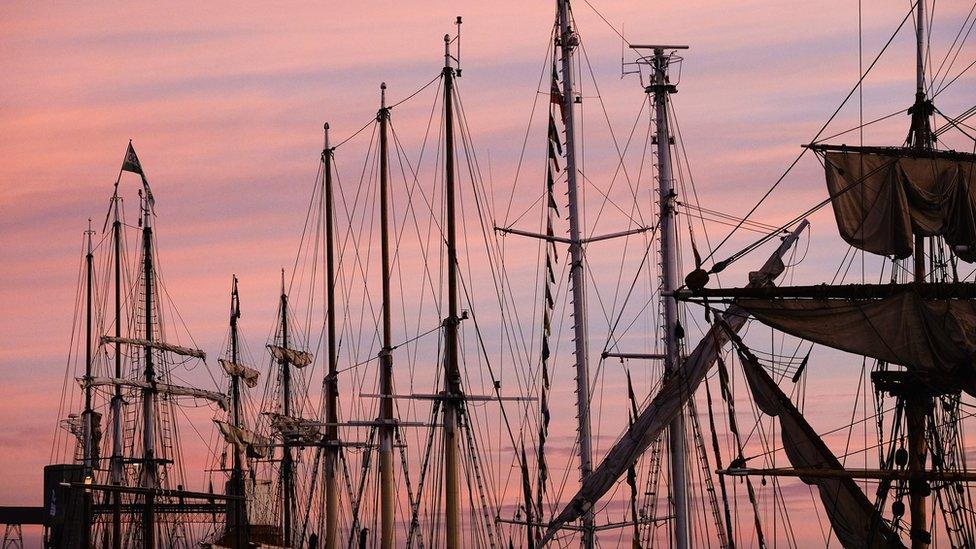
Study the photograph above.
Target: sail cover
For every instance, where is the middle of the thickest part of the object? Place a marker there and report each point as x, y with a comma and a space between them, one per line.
249, 375
853, 518
882, 200
675, 392
933, 338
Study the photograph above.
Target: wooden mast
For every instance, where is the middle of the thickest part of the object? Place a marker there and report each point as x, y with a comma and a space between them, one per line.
387, 503
237, 473
148, 394
287, 475
452, 374
89, 449
115, 475
331, 382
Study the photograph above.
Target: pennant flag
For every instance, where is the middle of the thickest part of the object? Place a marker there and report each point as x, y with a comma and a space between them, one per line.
550, 192
527, 496
555, 95
554, 150
554, 136
553, 156
131, 164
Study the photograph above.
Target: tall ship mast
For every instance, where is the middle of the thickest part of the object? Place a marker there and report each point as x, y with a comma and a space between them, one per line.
431, 328
127, 489
897, 202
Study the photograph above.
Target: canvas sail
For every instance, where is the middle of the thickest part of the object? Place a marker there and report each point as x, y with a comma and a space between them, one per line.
248, 374
668, 402
853, 518
933, 338
298, 359
881, 200
243, 439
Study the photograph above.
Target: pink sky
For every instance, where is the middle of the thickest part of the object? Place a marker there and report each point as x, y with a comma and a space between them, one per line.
225, 104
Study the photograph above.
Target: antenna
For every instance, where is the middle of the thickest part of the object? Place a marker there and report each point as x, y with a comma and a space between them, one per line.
457, 23
622, 73
447, 49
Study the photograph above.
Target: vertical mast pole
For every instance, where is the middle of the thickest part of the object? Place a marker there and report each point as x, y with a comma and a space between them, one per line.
235, 382
89, 278
332, 383
287, 476
387, 503
89, 428
918, 402
116, 462
669, 280
452, 374
920, 48
237, 473
148, 394
567, 43
920, 133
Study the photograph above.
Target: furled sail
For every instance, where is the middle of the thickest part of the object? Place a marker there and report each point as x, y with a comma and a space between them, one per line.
168, 347
883, 197
675, 392
933, 338
296, 358
853, 518
248, 374
165, 388
244, 440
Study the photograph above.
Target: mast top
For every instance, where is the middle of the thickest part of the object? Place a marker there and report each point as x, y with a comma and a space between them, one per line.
235, 301
325, 128
920, 48
657, 63
447, 51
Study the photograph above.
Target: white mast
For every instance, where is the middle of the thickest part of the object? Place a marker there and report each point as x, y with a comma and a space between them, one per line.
918, 403
669, 281
920, 48
567, 43
677, 452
